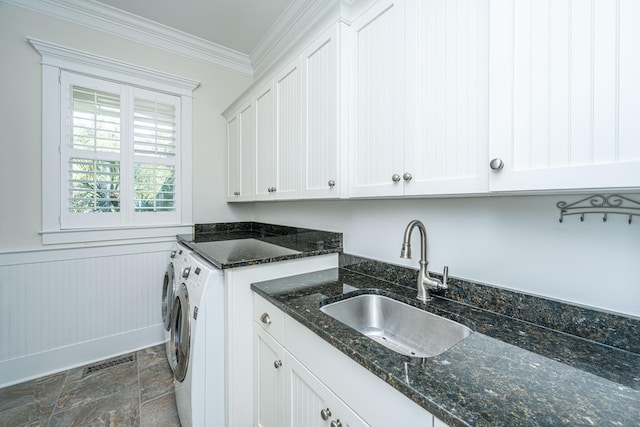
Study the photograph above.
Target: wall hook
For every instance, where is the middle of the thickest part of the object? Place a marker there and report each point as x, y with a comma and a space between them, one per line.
600, 204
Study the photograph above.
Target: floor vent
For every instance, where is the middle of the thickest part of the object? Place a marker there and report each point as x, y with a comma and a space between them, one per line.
109, 363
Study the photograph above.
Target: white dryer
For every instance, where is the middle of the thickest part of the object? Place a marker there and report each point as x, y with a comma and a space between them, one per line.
197, 345
173, 276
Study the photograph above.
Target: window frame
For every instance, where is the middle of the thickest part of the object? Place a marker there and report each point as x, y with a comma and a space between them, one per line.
55, 60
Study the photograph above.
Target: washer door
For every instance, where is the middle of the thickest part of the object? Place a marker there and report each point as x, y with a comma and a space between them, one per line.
168, 295
180, 333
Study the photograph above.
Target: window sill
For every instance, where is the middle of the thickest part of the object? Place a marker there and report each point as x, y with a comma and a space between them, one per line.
57, 237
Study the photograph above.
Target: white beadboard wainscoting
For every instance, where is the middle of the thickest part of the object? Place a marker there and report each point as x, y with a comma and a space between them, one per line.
62, 308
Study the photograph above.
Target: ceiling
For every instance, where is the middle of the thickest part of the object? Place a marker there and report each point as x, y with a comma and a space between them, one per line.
235, 24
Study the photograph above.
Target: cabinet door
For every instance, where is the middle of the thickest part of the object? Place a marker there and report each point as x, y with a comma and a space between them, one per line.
233, 157
240, 143
377, 149
564, 94
288, 132
265, 143
246, 151
310, 403
321, 110
269, 379
447, 91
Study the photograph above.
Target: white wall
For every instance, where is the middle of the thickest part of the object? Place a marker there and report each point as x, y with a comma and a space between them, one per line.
62, 306
20, 118
514, 242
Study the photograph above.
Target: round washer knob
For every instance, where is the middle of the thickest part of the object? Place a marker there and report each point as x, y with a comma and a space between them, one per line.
496, 164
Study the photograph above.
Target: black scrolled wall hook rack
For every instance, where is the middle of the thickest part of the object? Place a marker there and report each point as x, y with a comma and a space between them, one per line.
601, 204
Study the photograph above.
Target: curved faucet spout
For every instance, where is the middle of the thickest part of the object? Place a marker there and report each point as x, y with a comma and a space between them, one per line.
425, 282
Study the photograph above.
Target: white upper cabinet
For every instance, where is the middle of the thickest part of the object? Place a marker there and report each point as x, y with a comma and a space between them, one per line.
265, 174
565, 94
278, 131
447, 96
241, 145
378, 119
321, 130
420, 99
288, 132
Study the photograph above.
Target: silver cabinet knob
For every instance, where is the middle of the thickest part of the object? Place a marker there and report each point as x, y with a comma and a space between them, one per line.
332, 183
407, 176
236, 193
325, 414
265, 318
395, 177
336, 423
277, 364
496, 164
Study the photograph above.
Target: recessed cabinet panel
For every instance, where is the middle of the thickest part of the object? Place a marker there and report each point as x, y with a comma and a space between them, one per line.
233, 157
247, 148
377, 152
449, 103
269, 380
561, 94
288, 135
265, 143
321, 110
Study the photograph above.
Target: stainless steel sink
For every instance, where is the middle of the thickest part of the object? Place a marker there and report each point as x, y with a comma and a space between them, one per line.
398, 326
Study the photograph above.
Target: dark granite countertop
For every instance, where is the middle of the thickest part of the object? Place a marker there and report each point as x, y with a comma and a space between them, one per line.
508, 372
238, 244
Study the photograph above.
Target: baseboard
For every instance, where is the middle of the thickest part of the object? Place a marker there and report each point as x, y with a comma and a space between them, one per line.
37, 365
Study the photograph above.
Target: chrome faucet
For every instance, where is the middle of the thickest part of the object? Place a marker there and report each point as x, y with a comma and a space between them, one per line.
425, 282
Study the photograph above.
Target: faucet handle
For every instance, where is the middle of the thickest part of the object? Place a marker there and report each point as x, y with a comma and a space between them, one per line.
445, 277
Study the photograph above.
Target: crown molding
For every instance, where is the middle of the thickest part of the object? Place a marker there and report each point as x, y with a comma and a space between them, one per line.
114, 21
76, 60
299, 16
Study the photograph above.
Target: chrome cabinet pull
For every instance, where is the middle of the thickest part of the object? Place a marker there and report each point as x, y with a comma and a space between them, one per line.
332, 183
265, 318
277, 364
407, 176
496, 164
336, 423
395, 177
325, 414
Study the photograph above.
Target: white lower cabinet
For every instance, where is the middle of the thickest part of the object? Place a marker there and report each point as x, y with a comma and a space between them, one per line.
269, 380
287, 394
309, 403
303, 381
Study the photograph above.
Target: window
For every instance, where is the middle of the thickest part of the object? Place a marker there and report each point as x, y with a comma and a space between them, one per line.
116, 149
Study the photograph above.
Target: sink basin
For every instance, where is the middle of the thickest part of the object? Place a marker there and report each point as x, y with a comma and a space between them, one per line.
398, 326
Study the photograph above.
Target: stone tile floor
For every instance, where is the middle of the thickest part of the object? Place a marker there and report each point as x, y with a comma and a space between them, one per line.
130, 390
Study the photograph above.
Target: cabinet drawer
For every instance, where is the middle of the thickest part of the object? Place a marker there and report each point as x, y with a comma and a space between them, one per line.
269, 317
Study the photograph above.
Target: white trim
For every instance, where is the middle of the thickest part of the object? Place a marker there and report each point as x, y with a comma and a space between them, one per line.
55, 58
25, 368
67, 58
64, 254
292, 25
117, 22
56, 237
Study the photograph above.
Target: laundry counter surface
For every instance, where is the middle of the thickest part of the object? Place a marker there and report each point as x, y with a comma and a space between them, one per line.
239, 244
506, 373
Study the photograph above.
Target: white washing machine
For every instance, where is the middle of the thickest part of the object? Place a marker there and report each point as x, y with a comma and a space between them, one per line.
197, 345
173, 277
